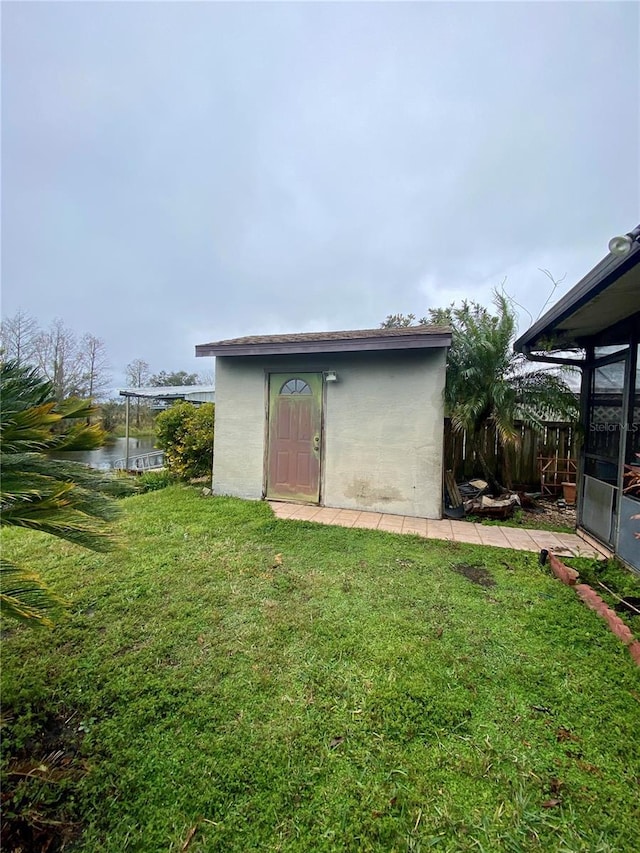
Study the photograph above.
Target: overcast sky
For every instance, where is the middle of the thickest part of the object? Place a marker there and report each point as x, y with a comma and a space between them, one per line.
177, 173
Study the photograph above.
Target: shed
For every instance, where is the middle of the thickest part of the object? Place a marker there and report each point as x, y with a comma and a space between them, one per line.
350, 419
596, 327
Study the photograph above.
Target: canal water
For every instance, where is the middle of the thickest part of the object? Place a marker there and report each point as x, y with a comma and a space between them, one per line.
104, 457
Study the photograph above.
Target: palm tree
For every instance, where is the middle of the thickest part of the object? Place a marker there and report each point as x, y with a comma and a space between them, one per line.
487, 383
64, 499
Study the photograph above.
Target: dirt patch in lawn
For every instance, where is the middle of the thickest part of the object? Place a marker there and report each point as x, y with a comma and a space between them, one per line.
476, 574
39, 789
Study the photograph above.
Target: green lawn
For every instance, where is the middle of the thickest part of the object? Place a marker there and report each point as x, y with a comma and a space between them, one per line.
232, 682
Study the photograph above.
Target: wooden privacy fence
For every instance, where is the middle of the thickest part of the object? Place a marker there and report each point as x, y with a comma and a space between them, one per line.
513, 466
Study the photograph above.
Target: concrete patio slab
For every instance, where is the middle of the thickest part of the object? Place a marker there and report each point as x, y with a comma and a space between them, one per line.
519, 539
415, 526
440, 529
370, 520
493, 536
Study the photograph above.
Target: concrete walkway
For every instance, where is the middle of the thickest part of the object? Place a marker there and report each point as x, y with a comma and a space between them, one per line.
562, 544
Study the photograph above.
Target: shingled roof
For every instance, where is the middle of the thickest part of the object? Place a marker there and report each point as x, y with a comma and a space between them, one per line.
352, 340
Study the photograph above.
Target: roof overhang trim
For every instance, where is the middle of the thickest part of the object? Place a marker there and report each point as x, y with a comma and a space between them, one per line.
298, 347
168, 392
578, 316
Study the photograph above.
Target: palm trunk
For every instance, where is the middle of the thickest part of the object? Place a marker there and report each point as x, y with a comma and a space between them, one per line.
495, 486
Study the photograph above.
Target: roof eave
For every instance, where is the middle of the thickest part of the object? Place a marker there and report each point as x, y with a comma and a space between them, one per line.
322, 346
598, 279
167, 392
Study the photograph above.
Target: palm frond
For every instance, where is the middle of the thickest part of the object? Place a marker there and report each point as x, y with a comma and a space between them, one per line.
25, 597
64, 499
27, 430
19, 467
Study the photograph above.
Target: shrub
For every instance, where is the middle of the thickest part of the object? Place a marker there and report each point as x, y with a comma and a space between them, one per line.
185, 433
151, 481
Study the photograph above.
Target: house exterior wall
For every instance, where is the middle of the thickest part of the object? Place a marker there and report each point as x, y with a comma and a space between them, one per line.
382, 428
239, 436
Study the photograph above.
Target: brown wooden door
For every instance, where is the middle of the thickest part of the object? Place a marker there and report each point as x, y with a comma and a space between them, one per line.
295, 419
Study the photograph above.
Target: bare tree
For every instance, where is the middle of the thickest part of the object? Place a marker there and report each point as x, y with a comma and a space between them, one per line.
17, 336
96, 379
75, 368
58, 358
95, 366
138, 373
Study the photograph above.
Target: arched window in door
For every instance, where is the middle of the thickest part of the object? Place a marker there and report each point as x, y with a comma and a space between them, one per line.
295, 386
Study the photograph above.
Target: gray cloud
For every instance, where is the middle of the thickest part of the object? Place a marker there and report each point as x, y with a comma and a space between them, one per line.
176, 173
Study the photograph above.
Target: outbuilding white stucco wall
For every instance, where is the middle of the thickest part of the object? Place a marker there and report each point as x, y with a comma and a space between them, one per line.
240, 429
382, 440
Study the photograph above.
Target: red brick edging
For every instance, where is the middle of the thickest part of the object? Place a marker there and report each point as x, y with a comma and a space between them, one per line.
591, 598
